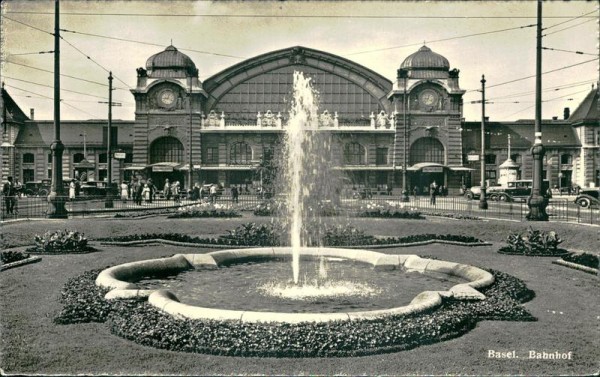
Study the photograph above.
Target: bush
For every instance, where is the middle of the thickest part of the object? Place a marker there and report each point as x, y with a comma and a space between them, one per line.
205, 210
388, 209
269, 207
535, 242
346, 235
584, 259
12, 256
252, 234
60, 242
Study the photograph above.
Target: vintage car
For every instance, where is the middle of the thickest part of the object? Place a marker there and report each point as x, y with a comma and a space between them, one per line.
37, 188
588, 198
516, 190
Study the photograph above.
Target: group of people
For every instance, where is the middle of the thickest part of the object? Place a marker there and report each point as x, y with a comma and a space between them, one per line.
172, 190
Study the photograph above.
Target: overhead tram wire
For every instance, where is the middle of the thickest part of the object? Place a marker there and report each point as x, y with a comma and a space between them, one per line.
567, 28
442, 40
282, 16
32, 53
70, 44
93, 61
50, 86
149, 43
574, 52
549, 89
572, 19
64, 75
528, 77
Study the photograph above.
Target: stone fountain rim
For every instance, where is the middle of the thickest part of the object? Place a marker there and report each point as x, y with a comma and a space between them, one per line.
115, 278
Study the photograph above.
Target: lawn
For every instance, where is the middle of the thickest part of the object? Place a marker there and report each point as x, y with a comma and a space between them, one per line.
565, 305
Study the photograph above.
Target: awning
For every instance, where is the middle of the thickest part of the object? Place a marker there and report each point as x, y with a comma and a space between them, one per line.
186, 167
135, 167
164, 167
430, 167
365, 168
460, 168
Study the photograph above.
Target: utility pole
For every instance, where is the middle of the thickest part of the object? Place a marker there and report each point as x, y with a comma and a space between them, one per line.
190, 172
56, 198
483, 204
109, 187
537, 202
405, 159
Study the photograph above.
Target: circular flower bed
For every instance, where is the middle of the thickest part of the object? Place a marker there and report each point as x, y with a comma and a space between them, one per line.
535, 243
61, 242
138, 321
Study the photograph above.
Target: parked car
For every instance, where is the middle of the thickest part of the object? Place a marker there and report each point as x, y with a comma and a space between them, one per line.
93, 188
473, 192
587, 198
37, 188
516, 190
206, 190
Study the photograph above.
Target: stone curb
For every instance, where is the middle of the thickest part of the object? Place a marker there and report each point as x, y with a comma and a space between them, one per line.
577, 266
21, 262
116, 278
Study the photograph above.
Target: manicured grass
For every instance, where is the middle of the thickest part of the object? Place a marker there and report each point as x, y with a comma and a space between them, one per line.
565, 305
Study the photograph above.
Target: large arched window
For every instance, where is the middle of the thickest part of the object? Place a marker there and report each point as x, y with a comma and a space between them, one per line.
427, 149
166, 149
240, 154
354, 154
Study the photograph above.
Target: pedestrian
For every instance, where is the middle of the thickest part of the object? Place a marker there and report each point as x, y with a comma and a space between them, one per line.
388, 189
196, 192
167, 189
175, 190
415, 191
213, 193
234, 194
139, 189
9, 192
151, 190
72, 190
124, 191
146, 194
433, 191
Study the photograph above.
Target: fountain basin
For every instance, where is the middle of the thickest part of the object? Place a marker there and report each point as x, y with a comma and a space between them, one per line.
119, 280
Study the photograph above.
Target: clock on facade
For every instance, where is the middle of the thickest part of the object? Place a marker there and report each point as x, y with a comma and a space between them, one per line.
166, 97
428, 97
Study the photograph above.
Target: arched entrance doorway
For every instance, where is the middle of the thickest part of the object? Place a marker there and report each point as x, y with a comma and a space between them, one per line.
426, 164
166, 154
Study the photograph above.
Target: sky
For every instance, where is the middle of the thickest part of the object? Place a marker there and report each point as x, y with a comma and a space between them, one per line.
492, 38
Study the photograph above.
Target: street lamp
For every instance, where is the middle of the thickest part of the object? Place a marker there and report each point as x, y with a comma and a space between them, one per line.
483, 204
404, 75
56, 197
109, 202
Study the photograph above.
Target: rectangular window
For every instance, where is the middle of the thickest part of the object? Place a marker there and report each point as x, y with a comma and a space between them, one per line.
28, 158
28, 175
381, 156
113, 135
49, 158
516, 158
490, 174
49, 173
102, 158
102, 174
490, 158
566, 159
212, 155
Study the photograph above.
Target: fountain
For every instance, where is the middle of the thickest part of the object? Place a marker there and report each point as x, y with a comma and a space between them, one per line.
306, 181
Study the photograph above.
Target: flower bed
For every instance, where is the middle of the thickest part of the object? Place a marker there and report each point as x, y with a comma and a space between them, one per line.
204, 210
10, 256
60, 242
584, 259
388, 209
535, 243
139, 322
251, 234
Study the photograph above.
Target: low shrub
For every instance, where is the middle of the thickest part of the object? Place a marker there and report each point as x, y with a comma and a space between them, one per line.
204, 210
584, 259
252, 234
534, 243
61, 241
457, 216
83, 301
269, 207
388, 210
11, 256
139, 322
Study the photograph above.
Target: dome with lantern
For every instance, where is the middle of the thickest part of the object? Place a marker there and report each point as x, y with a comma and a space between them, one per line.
425, 64
170, 63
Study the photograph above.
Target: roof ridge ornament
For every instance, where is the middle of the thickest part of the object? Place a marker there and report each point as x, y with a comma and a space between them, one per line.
297, 56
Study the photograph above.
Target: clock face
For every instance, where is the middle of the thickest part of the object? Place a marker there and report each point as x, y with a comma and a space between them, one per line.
428, 97
167, 97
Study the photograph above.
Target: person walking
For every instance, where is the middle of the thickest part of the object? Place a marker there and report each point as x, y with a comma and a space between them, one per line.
151, 189
139, 189
9, 192
175, 191
213, 193
234, 194
167, 189
433, 191
72, 190
124, 191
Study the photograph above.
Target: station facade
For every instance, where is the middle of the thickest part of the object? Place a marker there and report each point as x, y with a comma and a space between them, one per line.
224, 127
